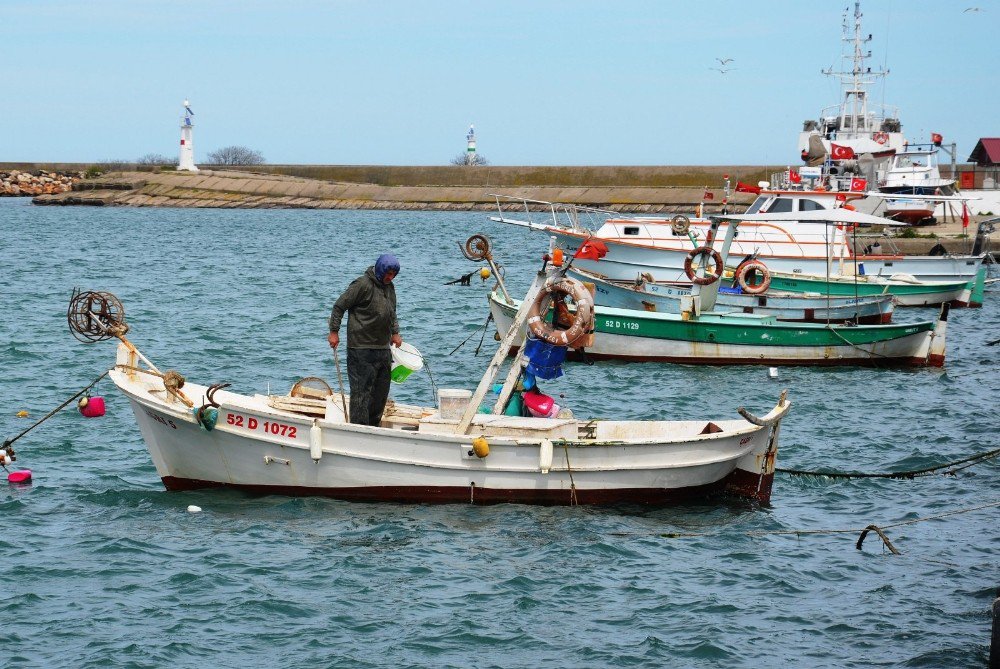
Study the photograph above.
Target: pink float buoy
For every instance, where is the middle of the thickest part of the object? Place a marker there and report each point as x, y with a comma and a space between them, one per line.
92, 407
22, 476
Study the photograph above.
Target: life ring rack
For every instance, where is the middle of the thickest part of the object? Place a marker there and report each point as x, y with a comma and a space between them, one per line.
743, 273
709, 277
583, 321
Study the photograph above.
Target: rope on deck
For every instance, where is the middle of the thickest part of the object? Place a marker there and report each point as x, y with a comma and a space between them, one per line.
951, 468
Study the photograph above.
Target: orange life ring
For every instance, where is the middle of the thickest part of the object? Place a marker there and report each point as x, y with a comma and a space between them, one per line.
743, 272
709, 277
583, 322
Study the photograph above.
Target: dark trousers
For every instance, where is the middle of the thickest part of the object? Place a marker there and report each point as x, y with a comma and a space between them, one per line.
368, 371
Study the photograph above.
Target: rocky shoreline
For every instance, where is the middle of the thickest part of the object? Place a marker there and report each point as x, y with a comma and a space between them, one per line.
16, 183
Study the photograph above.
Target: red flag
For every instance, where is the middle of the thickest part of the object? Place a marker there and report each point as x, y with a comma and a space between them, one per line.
936, 138
965, 216
794, 177
841, 197
859, 184
708, 195
746, 188
592, 249
838, 152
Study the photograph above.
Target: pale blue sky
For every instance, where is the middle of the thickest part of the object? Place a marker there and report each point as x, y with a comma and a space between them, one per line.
545, 83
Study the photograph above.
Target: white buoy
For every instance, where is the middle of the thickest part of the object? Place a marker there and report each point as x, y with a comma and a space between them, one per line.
772, 372
194, 509
545, 456
315, 442
186, 161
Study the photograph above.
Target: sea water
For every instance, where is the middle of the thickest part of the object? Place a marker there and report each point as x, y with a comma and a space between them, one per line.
99, 566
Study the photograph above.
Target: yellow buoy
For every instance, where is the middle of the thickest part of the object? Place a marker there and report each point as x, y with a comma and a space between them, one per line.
480, 447
22, 414
484, 274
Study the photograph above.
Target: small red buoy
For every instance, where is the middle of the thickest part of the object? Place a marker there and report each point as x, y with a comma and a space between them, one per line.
91, 407
22, 476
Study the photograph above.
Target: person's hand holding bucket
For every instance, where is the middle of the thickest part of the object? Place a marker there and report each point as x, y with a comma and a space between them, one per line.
406, 359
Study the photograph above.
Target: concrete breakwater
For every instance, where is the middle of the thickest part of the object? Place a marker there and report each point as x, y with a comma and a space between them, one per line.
416, 188
15, 183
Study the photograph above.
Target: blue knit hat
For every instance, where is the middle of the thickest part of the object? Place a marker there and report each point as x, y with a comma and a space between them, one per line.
385, 263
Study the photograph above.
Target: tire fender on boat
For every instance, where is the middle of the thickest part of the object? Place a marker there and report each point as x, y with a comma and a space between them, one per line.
743, 272
709, 278
583, 321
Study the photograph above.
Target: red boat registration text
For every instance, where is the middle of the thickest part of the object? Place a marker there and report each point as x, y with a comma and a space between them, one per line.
269, 427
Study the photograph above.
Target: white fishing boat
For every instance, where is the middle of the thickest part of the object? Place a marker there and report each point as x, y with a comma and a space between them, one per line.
787, 230
913, 172
700, 332
202, 436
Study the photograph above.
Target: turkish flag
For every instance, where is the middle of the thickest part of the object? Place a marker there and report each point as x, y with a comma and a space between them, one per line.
841, 197
592, 249
708, 195
746, 188
838, 152
936, 138
794, 177
965, 216
859, 184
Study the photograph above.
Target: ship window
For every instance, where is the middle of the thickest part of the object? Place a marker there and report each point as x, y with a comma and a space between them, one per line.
809, 205
780, 206
757, 204
631, 230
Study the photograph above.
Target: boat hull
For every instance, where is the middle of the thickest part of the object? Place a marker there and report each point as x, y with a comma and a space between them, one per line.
666, 463
663, 256
642, 336
665, 298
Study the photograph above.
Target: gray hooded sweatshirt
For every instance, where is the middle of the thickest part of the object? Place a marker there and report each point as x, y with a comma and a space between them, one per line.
371, 306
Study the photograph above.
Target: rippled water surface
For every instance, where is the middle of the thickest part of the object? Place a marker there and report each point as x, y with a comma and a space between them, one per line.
102, 567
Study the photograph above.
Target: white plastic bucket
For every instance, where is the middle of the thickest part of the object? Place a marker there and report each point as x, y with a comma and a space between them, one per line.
452, 402
406, 359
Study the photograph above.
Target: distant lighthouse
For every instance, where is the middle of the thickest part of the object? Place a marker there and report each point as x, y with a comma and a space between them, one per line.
186, 161
470, 151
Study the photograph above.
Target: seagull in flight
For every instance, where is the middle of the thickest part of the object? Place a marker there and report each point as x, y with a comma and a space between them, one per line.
723, 70
723, 61
971, 9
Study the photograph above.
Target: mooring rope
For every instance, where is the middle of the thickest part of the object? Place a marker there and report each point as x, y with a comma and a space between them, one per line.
871, 354
878, 529
482, 327
912, 474
59, 408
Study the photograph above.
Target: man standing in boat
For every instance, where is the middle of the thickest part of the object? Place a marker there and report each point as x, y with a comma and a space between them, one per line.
370, 302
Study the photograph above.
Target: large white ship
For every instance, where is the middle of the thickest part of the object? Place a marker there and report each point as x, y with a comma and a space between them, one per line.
856, 126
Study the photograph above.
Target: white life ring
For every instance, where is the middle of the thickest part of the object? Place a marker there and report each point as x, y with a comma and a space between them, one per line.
583, 322
743, 273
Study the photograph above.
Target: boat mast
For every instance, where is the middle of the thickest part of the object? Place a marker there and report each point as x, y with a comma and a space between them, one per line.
855, 120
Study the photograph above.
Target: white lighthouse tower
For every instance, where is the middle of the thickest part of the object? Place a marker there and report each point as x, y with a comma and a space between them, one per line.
470, 151
186, 161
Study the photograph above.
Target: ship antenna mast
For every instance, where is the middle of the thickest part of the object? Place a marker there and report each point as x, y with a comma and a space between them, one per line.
854, 109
